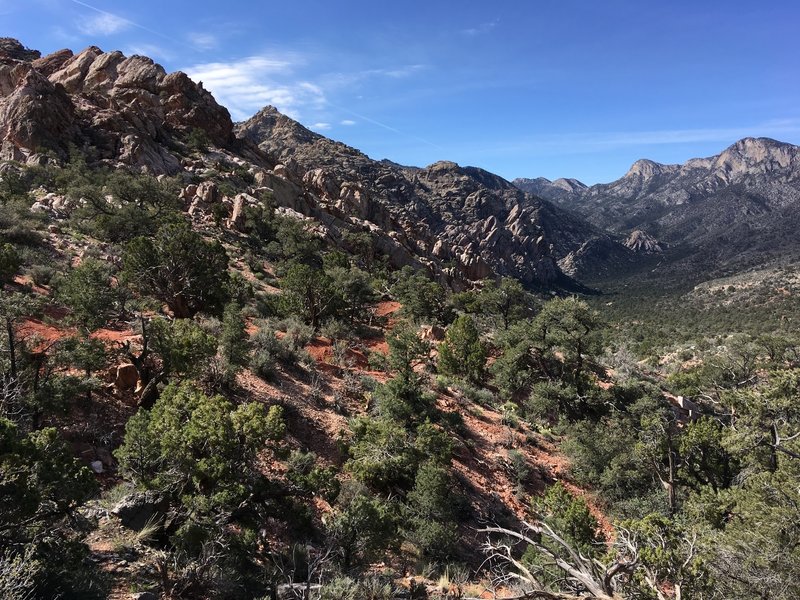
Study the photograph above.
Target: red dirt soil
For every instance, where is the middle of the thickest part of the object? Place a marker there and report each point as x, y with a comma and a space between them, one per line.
384, 309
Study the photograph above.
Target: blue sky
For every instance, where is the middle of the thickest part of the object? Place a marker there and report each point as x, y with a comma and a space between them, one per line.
560, 88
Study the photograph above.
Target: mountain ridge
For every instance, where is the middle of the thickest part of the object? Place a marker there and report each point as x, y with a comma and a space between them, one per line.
463, 224
717, 213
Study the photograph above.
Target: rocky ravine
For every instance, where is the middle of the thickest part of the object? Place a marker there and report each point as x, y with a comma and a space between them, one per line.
463, 224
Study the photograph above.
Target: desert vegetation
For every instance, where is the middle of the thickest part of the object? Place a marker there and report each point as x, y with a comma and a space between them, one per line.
265, 413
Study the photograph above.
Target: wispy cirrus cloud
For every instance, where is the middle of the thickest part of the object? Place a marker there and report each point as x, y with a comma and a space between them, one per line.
202, 40
347, 122
321, 126
400, 72
345, 79
587, 143
245, 86
103, 24
481, 29
108, 23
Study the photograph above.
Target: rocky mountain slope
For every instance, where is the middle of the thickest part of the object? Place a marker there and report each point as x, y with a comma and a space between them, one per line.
457, 214
557, 190
463, 224
716, 214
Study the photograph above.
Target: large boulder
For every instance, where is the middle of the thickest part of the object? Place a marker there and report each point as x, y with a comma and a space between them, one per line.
126, 377
140, 509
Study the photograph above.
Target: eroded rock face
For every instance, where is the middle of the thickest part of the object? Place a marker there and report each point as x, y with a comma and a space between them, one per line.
128, 108
34, 113
641, 242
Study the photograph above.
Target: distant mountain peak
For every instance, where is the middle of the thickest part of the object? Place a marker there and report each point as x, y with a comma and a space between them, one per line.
648, 169
561, 189
569, 184
759, 155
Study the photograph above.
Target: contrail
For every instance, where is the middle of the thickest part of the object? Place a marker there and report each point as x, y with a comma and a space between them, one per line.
135, 24
385, 126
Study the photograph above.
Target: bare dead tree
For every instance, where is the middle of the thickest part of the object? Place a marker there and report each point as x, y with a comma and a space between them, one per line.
583, 577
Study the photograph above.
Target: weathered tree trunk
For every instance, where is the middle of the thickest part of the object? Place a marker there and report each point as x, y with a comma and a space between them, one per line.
12, 352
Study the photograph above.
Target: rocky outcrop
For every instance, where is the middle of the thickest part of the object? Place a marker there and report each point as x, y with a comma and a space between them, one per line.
461, 223
559, 190
35, 114
126, 377
127, 108
13, 49
141, 509
641, 242
598, 258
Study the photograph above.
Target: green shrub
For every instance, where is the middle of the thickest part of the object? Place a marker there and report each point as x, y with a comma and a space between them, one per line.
304, 472
9, 263
462, 353
422, 299
203, 447
430, 520
361, 527
179, 268
88, 292
42, 274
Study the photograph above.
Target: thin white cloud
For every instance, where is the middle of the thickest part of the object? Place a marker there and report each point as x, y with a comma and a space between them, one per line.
385, 126
349, 79
588, 143
397, 72
481, 29
149, 50
103, 24
247, 85
321, 126
347, 122
111, 21
203, 41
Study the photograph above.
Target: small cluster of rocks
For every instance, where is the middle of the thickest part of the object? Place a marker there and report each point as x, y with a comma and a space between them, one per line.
52, 204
